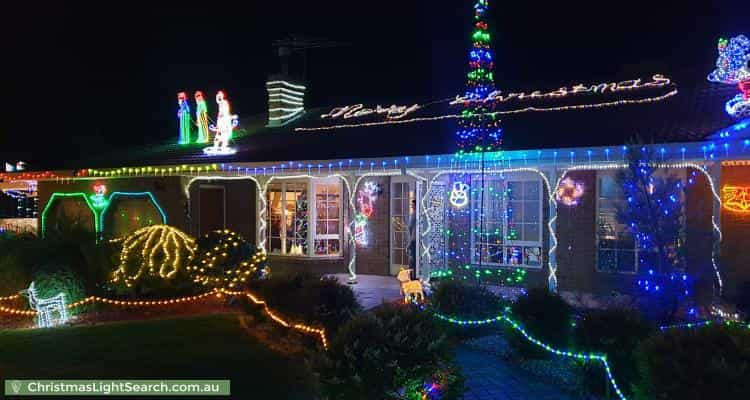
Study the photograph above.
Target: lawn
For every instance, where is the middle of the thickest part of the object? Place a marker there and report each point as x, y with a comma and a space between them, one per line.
210, 347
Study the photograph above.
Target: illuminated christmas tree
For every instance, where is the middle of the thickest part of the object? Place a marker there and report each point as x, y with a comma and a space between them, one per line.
479, 129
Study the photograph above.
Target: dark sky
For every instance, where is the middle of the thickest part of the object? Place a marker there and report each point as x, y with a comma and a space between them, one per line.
90, 77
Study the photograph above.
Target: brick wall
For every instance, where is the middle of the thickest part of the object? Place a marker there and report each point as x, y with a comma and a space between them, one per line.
735, 256
699, 235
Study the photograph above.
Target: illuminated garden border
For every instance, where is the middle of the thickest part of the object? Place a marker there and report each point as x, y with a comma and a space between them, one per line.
582, 356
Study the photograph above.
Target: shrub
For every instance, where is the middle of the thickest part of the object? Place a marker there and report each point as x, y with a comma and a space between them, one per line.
616, 333
387, 354
544, 315
60, 280
226, 260
467, 301
706, 363
312, 299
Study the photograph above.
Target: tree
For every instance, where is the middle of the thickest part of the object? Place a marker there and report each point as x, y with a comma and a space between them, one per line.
654, 214
479, 129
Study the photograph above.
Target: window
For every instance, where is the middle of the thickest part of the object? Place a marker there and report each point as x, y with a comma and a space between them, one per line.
328, 218
292, 224
509, 230
287, 218
616, 246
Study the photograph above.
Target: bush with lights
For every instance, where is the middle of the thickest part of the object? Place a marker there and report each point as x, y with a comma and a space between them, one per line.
654, 214
153, 261
226, 260
394, 352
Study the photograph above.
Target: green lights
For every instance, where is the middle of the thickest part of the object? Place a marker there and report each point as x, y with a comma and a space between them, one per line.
96, 203
55, 196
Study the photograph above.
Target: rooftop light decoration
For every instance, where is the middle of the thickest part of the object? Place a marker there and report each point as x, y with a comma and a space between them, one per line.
183, 115
201, 117
732, 69
225, 124
478, 130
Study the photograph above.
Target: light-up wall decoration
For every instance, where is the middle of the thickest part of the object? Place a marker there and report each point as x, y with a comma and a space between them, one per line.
459, 196
51, 311
97, 199
98, 204
569, 192
366, 198
183, 115
732, 69
201, 117
131, 195
736, 198
225, 124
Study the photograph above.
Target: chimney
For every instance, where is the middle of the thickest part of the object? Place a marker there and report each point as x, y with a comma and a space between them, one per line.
286, 100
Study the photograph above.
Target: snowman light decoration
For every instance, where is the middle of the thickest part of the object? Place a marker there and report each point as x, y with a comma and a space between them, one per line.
459, 197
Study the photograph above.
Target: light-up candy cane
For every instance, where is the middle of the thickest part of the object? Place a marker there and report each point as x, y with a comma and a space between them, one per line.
201, 117
225, 122
183, 115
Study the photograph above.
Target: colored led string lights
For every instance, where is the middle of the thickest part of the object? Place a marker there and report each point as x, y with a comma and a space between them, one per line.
732, 69
56, 196
569, 192
479, 129
115, 195
601, 358
47, 308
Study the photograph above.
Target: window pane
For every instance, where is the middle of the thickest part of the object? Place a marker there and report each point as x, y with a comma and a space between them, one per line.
606, 260
327, 198
626, 261
531, 211
514, 190
531, 232
531, 190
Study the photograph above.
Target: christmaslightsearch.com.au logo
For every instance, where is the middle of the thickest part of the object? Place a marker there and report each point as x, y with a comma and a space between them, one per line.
94, 387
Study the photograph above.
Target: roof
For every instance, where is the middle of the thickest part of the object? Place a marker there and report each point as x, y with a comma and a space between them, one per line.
692, 113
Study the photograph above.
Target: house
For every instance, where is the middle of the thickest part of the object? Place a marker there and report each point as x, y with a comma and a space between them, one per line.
343, 189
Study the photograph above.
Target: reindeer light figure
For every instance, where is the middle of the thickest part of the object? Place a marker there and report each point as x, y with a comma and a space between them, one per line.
46, 308
410, 287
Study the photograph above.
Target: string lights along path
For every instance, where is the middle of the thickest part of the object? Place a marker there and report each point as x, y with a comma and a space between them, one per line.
582, 356
304, 328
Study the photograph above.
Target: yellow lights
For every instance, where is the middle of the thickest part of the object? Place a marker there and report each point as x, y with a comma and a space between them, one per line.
735, 163
155, 250
156, 171
300, 327
736, 198
229, 263
218, 293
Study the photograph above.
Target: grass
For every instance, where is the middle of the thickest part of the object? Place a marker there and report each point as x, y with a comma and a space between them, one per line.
208, 347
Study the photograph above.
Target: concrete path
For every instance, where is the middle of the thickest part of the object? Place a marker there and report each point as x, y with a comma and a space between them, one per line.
373, 290
491, 378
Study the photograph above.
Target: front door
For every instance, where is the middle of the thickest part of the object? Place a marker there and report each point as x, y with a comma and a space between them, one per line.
403, 223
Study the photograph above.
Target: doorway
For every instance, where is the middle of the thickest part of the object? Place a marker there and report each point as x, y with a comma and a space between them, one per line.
403, 222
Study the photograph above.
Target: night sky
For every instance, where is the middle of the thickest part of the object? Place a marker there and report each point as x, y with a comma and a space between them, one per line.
92, 77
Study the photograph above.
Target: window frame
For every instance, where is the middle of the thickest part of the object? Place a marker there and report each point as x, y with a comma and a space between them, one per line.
310, 185
505, 179
600, 175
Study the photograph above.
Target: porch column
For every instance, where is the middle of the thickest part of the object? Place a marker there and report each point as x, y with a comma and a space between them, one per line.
261, 209
350, 183
714, 171
552, 226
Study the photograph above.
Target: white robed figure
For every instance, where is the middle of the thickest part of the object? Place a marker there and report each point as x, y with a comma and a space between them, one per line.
225, 123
